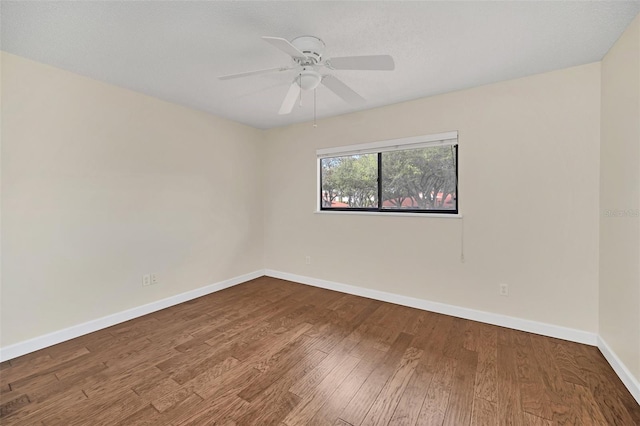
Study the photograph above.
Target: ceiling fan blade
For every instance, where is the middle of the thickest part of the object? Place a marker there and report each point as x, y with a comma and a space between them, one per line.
257, 72
373, 63
290, 99
342, 90
285, 46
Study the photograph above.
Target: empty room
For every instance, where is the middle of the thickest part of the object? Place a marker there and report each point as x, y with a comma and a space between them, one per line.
320, 213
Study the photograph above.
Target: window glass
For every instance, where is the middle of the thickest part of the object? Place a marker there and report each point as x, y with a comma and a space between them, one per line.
419, 179
350, 182
418, 174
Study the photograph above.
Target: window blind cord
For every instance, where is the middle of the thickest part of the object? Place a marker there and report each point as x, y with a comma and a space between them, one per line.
314, 109
462, 239
461, 219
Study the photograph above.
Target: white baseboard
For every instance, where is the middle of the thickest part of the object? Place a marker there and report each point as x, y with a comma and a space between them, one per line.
543, 329
31, 345
621, 370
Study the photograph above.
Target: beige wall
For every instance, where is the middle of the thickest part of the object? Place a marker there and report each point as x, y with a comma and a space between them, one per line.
529, 170
101, 185
620, 194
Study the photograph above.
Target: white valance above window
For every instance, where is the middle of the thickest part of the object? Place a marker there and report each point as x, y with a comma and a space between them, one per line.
414, 142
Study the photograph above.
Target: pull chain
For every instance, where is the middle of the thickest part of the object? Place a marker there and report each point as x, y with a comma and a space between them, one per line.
314, 109
300, 84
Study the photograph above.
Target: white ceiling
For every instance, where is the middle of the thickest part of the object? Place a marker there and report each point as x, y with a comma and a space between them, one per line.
175, 50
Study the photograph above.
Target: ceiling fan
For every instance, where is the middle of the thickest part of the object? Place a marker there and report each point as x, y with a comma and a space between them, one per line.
306, 53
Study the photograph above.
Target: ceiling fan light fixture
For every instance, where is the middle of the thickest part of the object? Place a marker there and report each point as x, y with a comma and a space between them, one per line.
309, 79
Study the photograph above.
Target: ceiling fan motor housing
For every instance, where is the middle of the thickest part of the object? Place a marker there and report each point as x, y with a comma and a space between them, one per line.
311, 46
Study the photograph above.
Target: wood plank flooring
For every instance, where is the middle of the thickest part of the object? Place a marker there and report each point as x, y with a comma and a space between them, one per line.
272, 352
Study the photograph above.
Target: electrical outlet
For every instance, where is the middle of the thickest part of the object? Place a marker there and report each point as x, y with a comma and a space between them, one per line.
146, 280
504, 290
307, 260
154, 279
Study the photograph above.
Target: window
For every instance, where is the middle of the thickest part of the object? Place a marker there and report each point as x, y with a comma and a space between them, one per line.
418, 175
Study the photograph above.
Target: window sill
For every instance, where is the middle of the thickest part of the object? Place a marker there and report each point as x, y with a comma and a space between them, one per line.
431, 215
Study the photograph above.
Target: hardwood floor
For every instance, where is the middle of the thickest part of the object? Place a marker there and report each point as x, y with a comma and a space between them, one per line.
272, 352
